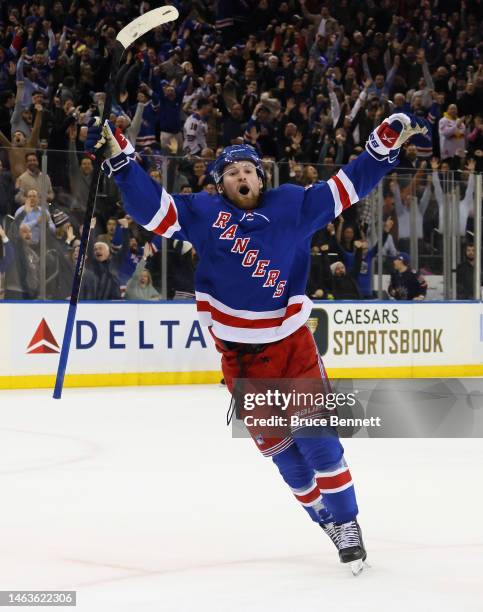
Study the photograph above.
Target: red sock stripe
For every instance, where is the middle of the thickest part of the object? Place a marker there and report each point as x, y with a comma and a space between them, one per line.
334, 482
309, 497
344, 196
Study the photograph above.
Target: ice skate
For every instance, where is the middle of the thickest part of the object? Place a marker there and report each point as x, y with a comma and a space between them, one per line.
351, 546
331, 530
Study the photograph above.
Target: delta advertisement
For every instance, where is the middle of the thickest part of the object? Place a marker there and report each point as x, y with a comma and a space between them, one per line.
149, 343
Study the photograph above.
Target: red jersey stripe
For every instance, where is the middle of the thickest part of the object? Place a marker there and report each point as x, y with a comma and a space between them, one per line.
232, 321
344, 196
169, 219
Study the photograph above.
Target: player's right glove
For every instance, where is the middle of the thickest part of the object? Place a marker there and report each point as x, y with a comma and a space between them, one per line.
386, 140
112, 143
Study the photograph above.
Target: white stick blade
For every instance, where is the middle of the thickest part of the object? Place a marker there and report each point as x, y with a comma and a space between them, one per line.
146, 22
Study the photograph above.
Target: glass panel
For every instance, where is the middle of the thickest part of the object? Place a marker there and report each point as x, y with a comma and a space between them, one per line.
426, 217
464, 235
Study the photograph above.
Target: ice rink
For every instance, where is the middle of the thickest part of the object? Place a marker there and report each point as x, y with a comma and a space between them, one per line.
140, 500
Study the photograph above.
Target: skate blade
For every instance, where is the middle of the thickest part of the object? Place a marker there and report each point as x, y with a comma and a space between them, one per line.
358, 566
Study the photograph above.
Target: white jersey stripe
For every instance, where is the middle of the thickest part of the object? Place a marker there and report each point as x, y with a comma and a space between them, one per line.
335, 196
258, 335
345, 180
248, 314
161, 213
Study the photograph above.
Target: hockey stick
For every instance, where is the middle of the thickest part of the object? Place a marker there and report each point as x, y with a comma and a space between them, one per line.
124, 39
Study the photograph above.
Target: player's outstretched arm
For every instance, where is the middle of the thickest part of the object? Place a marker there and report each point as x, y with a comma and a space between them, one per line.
325, 201
145, 200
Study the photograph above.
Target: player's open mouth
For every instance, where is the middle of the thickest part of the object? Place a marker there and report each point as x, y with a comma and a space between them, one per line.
244, 190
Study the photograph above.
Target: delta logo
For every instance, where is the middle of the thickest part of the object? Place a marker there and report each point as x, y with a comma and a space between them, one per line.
43, 340
87, 335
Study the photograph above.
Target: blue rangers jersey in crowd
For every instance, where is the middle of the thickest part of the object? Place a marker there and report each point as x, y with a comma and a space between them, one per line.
254, 264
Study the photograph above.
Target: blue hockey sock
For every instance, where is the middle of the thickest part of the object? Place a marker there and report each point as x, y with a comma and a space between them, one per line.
325, 456
300, 478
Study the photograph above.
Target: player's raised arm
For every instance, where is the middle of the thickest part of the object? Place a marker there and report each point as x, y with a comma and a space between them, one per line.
327, 200
148, 203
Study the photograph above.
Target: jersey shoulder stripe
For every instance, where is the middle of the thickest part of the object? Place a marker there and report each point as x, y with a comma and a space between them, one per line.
165, 221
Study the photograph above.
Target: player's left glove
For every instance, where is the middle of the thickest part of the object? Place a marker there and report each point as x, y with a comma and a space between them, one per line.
115, 147
386, 140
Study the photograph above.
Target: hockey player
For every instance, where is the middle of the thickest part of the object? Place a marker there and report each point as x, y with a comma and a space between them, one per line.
254, 250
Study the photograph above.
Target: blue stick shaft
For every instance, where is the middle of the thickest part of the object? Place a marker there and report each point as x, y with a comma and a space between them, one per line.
86, 230
64, 353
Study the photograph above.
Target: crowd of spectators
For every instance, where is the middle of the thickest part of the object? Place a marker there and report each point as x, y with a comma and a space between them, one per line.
304, 82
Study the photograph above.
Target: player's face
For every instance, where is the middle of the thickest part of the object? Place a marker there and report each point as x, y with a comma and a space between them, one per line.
241, 184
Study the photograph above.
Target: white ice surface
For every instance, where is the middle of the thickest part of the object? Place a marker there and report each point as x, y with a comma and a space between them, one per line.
140, 500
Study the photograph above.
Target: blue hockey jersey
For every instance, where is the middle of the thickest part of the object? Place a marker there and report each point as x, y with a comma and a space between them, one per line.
253, 269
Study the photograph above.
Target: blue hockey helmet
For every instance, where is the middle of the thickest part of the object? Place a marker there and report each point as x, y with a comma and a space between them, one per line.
237, 153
